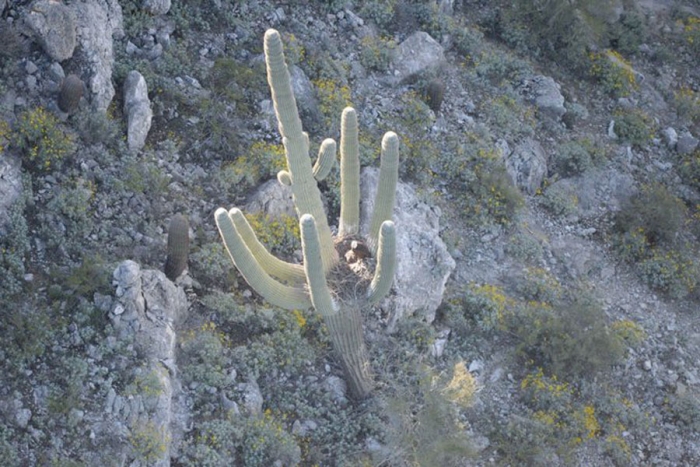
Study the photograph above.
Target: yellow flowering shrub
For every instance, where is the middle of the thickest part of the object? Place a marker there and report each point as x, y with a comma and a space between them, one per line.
613, 72
44, 145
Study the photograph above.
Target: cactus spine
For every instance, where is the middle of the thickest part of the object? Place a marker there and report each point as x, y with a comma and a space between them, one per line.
323, 280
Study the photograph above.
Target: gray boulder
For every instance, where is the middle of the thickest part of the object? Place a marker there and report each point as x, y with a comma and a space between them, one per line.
137, 107
54, 25
156, 7
527, 165
272, 198
423, 263
687, 143
99, 21
10, 186
416, 54
545, 93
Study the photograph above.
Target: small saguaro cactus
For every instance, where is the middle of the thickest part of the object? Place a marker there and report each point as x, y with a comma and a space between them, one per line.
70, 94
335, 278
434, 94
178, 246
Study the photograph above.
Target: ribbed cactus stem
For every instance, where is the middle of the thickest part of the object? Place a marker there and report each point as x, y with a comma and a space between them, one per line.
349, 174
345, 331
386, 264
386, 188
307, 197
288, 272
326, 159
313, 267
284, 296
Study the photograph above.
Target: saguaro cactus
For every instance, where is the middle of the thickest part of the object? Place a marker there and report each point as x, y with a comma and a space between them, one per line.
337, 286
178, 246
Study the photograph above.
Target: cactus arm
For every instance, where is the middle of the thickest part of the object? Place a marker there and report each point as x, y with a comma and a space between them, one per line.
326, 159
281, 86
290, 298
386, 264
288, 272
284, 178
386, 188
307, 197
313, 267
349, 174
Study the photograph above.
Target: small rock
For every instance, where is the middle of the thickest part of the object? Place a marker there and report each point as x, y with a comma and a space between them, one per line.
30, 67
687, 143
670, 137
646, 365
22, 417
476, 366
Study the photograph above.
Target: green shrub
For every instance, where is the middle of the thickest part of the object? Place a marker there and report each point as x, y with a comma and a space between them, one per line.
687, 105
43, 144
380, 12
376, 53
628, 33
685, 410
670, 271
238, 83
562, 30
510, 116
203, 361
427, 433
148, 442
655, 213
536, 284
691, 33
211, 265
568, 338
524, 247
254, 442
689, 169
9, 454
575, 157
498, 67
333, 97
257, 164
560, 200
634, 127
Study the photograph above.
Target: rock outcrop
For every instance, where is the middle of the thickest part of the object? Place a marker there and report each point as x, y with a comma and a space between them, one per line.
54, 25
527, 165
137, 107
146, 311
423, 264
99, 22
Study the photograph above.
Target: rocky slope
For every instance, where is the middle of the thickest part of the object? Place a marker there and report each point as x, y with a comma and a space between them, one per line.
547, 220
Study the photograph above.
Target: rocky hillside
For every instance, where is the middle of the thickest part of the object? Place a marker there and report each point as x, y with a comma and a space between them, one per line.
544, 307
